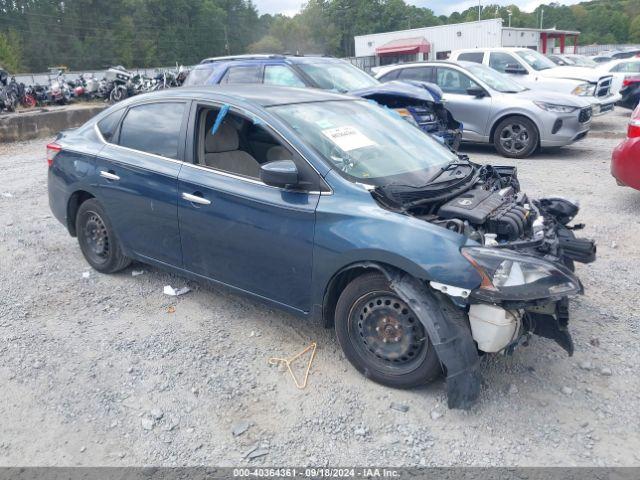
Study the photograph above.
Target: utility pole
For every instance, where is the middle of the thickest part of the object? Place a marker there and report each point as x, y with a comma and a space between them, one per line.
479, 9
541, 17
510, 13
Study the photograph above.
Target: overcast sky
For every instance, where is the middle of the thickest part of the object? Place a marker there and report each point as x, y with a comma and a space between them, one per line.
440, 7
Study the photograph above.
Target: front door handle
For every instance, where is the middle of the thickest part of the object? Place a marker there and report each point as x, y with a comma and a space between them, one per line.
195, 199
109, 175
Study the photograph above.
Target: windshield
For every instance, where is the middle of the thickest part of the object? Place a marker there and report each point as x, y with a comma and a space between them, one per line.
494, 79
535, 60
581, 61
366, 142
338, 76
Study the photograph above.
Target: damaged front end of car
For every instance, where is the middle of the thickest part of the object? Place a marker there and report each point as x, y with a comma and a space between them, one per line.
421, 104
523, 251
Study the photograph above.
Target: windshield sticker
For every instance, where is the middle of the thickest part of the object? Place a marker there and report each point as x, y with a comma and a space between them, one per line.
324, 123
348, 138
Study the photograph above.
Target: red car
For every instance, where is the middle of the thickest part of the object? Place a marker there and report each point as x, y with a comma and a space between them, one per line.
625, 161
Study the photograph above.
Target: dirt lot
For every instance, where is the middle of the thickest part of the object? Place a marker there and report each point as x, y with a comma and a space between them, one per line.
97, 371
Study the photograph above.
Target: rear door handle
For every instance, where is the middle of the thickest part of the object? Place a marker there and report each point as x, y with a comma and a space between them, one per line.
109, 175
195, 199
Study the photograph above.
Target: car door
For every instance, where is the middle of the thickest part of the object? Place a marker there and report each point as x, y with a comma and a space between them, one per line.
138, 178
234, 228
472, 111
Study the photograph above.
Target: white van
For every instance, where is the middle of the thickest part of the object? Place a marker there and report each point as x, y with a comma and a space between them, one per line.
535, 71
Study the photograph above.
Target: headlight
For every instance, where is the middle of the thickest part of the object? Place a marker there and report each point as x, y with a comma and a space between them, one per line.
552, 107
507, 275
584, 89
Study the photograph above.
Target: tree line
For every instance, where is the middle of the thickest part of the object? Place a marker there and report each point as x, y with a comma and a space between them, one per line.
86, 34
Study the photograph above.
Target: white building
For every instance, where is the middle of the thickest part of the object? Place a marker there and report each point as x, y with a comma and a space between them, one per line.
435, 43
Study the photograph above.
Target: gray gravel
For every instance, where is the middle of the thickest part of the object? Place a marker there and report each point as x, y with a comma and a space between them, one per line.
107, 370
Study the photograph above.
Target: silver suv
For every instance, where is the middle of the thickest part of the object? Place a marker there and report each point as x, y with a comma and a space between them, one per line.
493, 108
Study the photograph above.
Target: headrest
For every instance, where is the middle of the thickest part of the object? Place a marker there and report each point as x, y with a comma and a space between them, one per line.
225, 139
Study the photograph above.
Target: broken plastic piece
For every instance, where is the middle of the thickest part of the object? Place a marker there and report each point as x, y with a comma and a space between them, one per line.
169, 290
289, 361
135, 273
221, 114
450, 290
86, 274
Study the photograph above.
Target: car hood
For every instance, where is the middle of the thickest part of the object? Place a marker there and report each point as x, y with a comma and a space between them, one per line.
412, 90
552, 97
577, 73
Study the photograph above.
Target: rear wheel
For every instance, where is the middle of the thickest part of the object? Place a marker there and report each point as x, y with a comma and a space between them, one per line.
382, 337
97, 239
516, 137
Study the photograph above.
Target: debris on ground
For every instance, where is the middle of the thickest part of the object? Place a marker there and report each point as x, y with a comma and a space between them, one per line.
169, 290
86, 274
399, 407
240, 427
288, 361
136, 273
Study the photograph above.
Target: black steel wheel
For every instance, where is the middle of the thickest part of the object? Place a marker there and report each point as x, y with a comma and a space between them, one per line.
381, 336
97, 239
516, 137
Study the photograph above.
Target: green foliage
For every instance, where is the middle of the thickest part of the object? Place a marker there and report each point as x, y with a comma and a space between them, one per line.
84, 34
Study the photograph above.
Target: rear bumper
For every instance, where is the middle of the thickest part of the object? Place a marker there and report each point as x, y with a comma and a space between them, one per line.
625, 163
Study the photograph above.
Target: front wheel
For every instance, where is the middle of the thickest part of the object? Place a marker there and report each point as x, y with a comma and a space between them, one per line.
97, 238
516, 137
382, 337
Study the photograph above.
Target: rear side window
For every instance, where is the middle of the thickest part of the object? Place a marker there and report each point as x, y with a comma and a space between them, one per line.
423, 74
153, 128
109, 124
248, 74
475, 57
198, 76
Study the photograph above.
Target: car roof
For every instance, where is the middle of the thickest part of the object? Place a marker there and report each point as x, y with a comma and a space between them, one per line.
260, 95
271, 58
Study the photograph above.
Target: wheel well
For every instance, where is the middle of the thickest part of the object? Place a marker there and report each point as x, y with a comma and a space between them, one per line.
76, 199
340, 280
497, 122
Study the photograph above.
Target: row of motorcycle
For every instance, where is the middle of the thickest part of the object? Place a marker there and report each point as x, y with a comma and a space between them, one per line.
117, 84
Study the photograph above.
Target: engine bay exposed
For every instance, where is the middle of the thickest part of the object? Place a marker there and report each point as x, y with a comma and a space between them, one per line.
485, 204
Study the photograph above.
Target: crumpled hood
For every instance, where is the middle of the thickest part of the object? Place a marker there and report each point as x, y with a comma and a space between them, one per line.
553, 97
412, 90
577, 73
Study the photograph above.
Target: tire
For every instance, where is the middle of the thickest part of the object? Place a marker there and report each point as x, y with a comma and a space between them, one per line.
516, 137
401, 354
97, 239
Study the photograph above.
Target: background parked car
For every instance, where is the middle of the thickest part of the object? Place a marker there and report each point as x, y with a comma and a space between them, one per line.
565, 59
418, 102
622, 70
496, 109
625, 164
535, 71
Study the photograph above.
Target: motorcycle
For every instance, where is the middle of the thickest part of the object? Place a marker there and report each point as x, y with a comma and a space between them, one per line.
120, 81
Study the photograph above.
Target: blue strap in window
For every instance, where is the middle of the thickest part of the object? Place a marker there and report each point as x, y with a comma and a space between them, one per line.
221, 114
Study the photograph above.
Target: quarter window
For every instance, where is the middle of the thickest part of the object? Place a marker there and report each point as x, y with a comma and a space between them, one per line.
153, 128
281, 75
109, 124
248, 74
500, 60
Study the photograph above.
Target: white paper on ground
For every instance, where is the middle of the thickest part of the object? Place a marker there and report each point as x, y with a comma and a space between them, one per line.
86, 274
135, 273
169, 290
348, 138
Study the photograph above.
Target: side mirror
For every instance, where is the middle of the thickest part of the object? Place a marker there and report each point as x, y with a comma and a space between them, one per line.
281, 173
515, 68
476, 92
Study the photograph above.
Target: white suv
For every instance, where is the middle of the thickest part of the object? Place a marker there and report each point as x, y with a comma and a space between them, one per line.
536, 71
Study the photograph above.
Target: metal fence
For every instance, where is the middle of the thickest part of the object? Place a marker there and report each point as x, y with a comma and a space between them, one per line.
363, 63
595, 49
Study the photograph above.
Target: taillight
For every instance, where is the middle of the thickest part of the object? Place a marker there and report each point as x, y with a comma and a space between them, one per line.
633, 130
629, 80
52, 150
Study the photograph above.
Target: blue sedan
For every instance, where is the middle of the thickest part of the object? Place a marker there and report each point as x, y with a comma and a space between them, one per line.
328, 207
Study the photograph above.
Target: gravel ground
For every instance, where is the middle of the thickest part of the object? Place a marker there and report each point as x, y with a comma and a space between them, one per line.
107, 370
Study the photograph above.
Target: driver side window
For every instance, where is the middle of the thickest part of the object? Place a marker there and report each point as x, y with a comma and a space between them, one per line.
453, 81
500, 60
